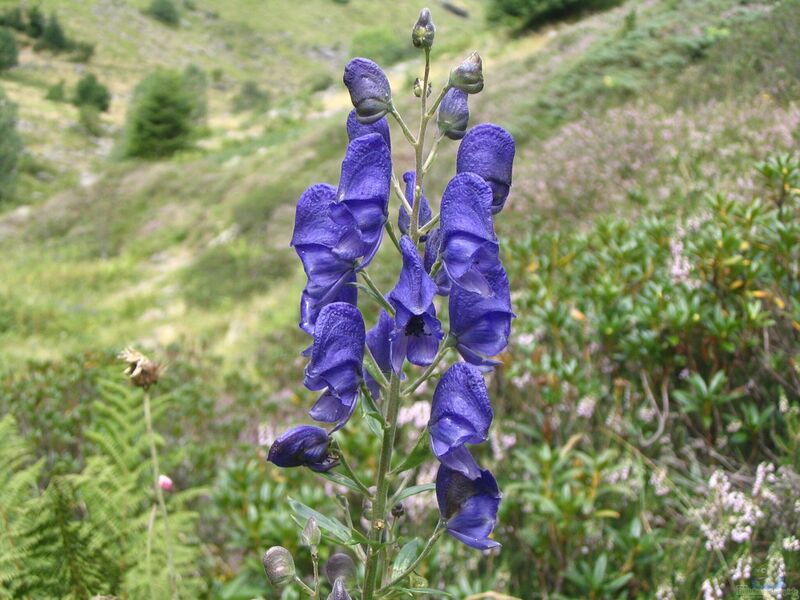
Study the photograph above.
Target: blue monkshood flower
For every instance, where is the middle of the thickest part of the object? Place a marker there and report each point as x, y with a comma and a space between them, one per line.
362, 200
303, 446
469, 506
356, 128
328, 252
379, 344
417, 331
425, 214
454, 114
469, 246
460, 414
468, 76
481, 324
369, 89
432, 246
336, 363
488, 150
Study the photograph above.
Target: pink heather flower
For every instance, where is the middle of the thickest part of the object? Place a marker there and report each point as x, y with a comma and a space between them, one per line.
585, 408
791, 544
712, 590
165, 483
743, 569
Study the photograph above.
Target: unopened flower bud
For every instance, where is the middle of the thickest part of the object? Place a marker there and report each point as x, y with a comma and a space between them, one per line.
398, 510
339, 591
424, 30
418, 88
454, 114
339, 565
279, 566
165, 483
468, 76
142, 371
311, 534
366, 508
369, 89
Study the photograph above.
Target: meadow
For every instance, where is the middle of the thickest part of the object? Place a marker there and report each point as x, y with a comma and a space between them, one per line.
646, 431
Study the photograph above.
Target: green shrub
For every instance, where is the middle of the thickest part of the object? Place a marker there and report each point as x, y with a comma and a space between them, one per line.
164, 11
53, 37
37, 22
530, 13
56, 92
10, 148
381, 44
8, 49
82, 52
89, 118
13, 19
160, 117
250, 97
90, 92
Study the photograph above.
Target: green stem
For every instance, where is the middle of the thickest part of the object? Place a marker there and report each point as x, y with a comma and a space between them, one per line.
303, 586
430, 225
437, 532
398, 190
413, 228
375, 371
382, 486
403, 126
437, 102
432, 154
148, 419
443, 350
151, 523
379, 296
392, 235
349, 471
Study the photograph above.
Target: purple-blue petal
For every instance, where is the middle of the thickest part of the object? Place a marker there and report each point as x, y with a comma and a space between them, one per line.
362, 200
460, 414
482, 324
453, 115
432, 245
310, 305
356, 128
379, 345
425, 213
415, 289
469, 506
305, 445
336, 362
488, 151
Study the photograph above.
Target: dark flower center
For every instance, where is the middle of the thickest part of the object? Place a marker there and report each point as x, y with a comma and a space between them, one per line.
415, 326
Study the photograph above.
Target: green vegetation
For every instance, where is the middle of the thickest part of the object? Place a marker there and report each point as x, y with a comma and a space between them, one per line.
164, 11
160, 117
8, 49
525, 14
37, 23
10, 148
382, 45
90, 92
53, 37
250, 98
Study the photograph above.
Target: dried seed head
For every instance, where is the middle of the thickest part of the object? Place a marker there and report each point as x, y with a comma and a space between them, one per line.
141, 370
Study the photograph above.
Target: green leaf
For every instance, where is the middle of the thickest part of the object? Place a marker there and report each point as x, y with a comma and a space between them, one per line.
405, 557
414, 490
328, 524
418, 455
341, 479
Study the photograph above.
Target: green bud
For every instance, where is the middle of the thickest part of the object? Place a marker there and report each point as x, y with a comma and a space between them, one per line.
279, 566
468, 76
311, 534
424, 30
418, 88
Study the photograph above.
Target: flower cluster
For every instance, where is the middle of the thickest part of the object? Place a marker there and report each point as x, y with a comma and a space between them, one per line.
454, 256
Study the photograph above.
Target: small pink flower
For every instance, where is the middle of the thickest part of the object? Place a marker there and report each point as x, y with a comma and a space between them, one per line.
165, 483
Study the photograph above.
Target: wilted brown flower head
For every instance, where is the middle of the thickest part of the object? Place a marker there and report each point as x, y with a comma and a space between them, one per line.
142, 371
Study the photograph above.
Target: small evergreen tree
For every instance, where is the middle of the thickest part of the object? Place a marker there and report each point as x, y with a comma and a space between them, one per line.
53, 37
90, 92
160, 117
8, 49
164, 11
10, 148
36, 22
13, 18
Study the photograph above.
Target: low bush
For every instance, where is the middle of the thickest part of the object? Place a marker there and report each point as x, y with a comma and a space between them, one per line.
90, 92
8, 49
530, 13
164, 11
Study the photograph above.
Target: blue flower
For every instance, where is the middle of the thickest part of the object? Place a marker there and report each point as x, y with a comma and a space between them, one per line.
460, 414
469, 506
378, 342
417, 331
369, 89
425, 214
488, 150
336, 363
454, 114
305, 445
481, 325
328, 252
356, 128
432, 246
469, 246
362, 200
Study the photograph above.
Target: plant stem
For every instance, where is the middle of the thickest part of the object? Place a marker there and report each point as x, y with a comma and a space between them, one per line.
413, 228
398, 190
350, 473
382, 486
151, 523
403, 126
432, 154
443, 350
381, 299
303, 586
437, 532
392, 235
148, 420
